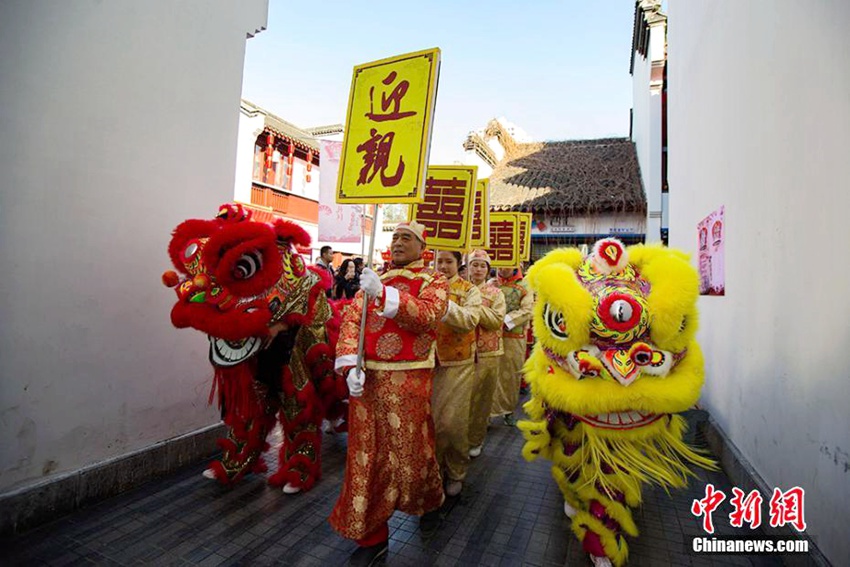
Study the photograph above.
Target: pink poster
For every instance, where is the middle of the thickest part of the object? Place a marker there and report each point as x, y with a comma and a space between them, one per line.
337, 223
711, 233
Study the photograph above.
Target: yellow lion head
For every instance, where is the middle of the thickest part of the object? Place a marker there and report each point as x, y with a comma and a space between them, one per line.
615, 357
615, 334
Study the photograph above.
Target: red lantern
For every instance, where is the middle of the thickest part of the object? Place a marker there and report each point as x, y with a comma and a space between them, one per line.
291, 159
386, 255
309, 164
269, 173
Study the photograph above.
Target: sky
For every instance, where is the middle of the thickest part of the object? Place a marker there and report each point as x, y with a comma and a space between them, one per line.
557, 69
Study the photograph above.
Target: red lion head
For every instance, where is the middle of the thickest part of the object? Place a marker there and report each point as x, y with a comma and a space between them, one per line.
235, 278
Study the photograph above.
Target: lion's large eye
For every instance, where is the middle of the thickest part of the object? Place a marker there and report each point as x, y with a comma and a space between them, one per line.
191, 250
621, 311
247, 265
555, 321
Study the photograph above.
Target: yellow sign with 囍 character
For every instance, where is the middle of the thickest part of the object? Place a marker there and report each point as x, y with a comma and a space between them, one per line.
524, 227
480, 236
504, 240
447, 206
388, 129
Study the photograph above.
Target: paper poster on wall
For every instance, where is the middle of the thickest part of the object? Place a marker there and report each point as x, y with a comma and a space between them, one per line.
711, 234
337, 223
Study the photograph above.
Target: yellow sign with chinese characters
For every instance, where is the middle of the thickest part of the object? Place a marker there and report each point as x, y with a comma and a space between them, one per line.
480, 236
388, 129
524, 234
504, 240
447, 206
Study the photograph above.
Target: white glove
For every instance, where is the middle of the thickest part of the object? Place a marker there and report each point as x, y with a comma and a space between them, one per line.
355, 380
370, 283
509, 323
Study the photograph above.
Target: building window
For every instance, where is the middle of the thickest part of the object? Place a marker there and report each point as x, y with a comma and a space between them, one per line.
270, 170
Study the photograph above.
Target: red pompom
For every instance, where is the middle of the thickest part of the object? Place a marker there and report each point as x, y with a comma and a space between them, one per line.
170, 278
611, 251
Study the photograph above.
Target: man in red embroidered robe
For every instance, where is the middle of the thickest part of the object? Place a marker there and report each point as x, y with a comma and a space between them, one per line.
391, 462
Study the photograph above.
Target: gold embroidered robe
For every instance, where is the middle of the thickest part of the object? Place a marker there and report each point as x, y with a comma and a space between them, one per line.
519, 301
454, 380
391, 462
489, 350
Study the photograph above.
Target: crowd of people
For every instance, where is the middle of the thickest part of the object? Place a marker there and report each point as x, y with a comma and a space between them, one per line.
442, 356
345, 278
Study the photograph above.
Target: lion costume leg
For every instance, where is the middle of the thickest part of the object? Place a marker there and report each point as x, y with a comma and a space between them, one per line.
249, 416
600, 521
302, 411
600, 512
300, 453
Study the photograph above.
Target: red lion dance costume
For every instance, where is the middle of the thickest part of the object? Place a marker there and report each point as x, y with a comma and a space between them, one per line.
272, 334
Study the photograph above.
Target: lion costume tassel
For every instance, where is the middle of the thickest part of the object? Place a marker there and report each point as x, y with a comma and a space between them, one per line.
615, 359
272, 335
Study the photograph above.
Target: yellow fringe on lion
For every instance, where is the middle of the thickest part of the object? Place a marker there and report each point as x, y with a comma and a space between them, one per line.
615, 358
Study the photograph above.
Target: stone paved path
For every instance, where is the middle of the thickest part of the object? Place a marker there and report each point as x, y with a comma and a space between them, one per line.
510, 513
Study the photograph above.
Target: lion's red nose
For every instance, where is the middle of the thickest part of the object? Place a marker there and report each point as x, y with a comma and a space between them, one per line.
201, 281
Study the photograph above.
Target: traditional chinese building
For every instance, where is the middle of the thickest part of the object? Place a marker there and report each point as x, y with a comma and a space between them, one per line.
277, 172
648, 128
577, 190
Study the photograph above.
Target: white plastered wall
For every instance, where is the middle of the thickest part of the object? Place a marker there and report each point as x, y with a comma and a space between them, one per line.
118, 120
759, 121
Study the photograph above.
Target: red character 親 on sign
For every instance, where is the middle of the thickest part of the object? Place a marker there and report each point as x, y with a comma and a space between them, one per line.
377, 159
787, 508
707, 505
746, 509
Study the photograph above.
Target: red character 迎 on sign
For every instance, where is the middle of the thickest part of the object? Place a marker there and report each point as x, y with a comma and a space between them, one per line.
787, 508
746, 509
707, 505
393, 98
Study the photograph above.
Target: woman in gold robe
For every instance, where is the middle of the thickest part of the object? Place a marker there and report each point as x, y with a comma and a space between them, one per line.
488, 348
454, 380
520, 301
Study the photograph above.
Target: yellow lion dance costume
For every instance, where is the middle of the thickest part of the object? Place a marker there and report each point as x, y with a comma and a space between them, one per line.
615, 358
